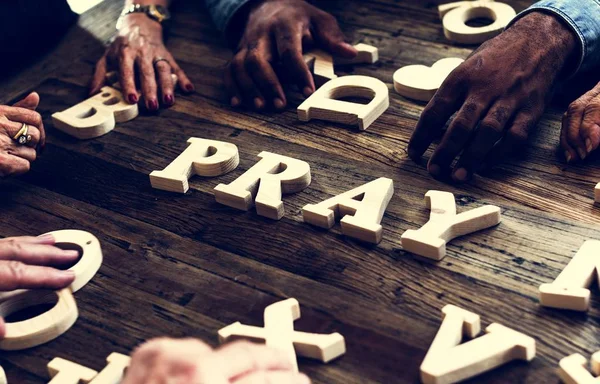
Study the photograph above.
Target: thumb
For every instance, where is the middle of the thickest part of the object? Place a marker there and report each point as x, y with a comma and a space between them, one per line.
2, 328
30, 102
330, 37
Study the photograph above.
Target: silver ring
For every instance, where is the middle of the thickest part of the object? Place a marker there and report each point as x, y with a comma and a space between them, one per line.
159, 59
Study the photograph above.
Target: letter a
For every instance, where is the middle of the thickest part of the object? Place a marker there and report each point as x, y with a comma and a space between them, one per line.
323, 104
202, 157
448, 361
360, 210
267, 180
444, 225
569, 290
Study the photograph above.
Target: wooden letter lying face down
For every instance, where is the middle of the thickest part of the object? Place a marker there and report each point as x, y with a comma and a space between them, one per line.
267, 180
279, 333
444, 225
321, 62
449, 361
455, 16
420, 82
65, 372
570, 289
572, 369
202, 157
95, 116
359, 211
323, 104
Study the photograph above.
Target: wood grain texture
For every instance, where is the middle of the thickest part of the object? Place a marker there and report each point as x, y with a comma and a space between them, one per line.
183, 265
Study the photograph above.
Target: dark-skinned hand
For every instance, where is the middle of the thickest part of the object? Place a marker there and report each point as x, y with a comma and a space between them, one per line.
278, 31
498, 94
580, 133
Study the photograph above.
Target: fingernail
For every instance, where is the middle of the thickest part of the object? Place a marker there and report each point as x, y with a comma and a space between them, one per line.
434, 169
258, 103
307, 91
581, 153
189, 88
461, 174
71, 253
68, 274
568, 156
278, 103
132, 98
588, 145
349, 46
169, 100
235, 101
47, 238
153, 105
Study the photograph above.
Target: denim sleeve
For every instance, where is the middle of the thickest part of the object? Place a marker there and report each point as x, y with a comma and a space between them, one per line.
583, 16
223, 10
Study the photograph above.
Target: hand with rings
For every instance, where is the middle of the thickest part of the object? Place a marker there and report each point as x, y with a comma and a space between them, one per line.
138, 51
22, 133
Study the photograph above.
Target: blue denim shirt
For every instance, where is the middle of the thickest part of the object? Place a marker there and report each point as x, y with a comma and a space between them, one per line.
223, 10
583, 16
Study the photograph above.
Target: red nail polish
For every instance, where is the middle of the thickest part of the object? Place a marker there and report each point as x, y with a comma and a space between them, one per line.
153, 105
132, 98
189, 88
169, 99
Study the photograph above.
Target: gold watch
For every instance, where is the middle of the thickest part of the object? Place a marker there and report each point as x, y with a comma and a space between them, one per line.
157, 13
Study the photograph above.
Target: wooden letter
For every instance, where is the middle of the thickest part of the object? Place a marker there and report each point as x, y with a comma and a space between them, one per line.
202, 157
267, 180
321, 65
323, 104
95, 116
279, 332
359, 211
62, 371
597, 193
420, 82
455, 15
444, 225
3, 377
114, 371
43, 328
448, 361
569, 290
367, 54
572, 369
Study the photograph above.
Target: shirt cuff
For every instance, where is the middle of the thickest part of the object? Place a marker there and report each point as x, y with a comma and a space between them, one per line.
582, 17
222, 11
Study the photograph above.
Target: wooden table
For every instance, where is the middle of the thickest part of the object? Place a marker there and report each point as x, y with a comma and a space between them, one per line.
183, 265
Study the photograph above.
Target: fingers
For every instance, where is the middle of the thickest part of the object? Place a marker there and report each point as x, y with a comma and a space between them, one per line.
289, 47
17, 275
12, 128
570, 152
35, 253
31, 101
456, 138
26, 153
148, 83
245, 84
432, 121
32, 118
590, 127
182, 79
491, 130
2, 328
44, 239
330, 36
258, 66
165, 82
99, 76
231, 86
273, 377
13, 165
127, 75
242, 357
515, 138
572, 125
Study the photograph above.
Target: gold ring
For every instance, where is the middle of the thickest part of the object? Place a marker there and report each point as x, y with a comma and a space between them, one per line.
21, 136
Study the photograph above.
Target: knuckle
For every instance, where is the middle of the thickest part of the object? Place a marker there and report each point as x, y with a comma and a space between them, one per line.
16, 271
575, 108
461, 126
492, 126
253, 61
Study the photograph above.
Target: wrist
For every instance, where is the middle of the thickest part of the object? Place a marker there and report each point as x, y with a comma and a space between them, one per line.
548, 30
141, 21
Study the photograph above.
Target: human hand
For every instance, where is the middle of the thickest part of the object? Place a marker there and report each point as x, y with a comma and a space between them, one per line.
278, 31
502, 89
580, 134
138, 50
15, 159
26, 263
191, 361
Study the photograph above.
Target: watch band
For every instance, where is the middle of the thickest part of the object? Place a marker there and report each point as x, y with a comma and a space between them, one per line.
155, 12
